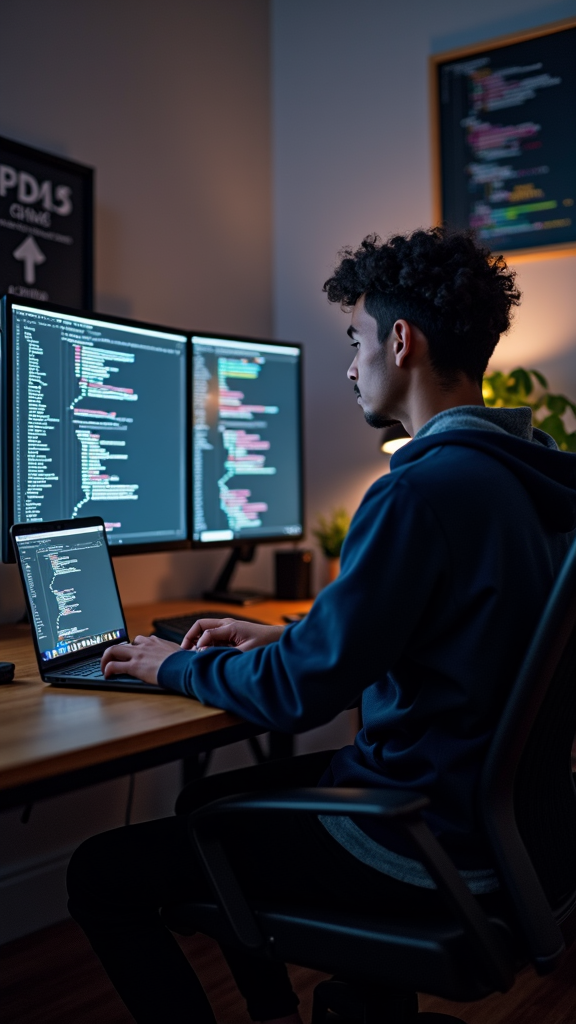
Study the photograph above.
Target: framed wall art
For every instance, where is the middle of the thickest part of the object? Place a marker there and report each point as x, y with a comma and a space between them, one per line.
504, 141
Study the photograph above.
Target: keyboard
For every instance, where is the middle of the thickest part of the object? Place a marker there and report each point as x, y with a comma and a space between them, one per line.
175, 628
92, 670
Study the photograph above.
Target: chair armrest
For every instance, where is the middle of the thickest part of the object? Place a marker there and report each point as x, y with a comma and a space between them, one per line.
202, 827
397, 807
376, 803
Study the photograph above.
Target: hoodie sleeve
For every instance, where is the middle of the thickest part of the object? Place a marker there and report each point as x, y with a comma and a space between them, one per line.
393, 561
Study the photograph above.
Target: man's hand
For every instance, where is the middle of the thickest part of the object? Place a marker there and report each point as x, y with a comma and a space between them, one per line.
142, 658
229, 633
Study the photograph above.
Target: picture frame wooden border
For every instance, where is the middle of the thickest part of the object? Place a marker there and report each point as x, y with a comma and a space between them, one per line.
550, 251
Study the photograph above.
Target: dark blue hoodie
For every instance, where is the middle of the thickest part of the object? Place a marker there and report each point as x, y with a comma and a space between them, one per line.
444, 574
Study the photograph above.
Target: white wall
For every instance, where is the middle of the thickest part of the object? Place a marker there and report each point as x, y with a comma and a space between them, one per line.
352, 156
170, 103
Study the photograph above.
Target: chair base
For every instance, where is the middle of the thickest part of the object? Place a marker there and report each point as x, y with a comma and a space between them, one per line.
344, 1001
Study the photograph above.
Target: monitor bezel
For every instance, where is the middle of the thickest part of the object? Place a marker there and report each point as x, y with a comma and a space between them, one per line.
280, 538
6, 421
55, 526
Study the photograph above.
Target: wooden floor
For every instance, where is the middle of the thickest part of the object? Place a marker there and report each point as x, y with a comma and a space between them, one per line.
52, 977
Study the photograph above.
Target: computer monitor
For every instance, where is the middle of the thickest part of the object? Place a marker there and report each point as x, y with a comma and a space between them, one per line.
247, 467
94, 422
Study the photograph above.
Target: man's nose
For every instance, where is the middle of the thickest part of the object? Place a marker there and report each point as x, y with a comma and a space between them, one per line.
352, 372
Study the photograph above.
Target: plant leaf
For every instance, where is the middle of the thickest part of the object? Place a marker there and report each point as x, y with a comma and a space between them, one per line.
539, 377
557, 404
522, 380
554, 426
511, 390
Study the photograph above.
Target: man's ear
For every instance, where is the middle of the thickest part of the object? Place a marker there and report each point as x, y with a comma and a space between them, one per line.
402, 341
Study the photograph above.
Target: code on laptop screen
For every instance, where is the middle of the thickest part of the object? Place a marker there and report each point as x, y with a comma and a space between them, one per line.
71, 590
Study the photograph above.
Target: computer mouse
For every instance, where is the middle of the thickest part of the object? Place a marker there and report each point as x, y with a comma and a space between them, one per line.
6, 671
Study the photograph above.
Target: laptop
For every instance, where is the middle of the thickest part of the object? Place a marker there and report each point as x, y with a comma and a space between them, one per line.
73, 602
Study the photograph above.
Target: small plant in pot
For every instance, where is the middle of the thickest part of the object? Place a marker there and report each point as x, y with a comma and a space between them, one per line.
330, 532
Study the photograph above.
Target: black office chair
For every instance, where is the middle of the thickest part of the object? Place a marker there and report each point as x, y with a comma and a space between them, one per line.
528, 808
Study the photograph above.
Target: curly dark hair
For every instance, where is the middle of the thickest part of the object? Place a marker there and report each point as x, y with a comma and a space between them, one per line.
459, 294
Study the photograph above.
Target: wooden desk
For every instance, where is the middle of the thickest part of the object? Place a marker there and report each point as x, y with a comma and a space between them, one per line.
54, 740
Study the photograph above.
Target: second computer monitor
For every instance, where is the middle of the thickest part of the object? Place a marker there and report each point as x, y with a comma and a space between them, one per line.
247, 441
95, 422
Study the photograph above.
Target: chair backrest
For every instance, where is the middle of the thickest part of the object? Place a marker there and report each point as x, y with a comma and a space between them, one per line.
527, 793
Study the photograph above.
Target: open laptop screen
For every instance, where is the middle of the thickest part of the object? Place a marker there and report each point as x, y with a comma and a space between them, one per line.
71, 589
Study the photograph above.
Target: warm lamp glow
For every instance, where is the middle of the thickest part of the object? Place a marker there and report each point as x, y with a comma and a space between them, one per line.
389, 447
392, 438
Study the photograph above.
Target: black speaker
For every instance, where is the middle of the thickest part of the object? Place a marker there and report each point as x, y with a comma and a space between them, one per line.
293, 575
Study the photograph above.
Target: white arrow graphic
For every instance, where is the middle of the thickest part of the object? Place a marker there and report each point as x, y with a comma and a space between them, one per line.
31, 256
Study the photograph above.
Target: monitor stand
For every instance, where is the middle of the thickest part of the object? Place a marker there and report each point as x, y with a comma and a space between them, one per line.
241, 553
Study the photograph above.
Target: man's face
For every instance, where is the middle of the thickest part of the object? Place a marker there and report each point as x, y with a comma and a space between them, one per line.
372, 369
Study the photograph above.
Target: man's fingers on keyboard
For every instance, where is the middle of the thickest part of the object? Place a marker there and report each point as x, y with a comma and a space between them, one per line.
115, 668
240, 634
199, 627
219, 635
118, 652
141, 660
121, 653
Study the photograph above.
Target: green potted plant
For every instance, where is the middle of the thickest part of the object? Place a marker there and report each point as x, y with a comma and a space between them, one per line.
330, 532
530, 387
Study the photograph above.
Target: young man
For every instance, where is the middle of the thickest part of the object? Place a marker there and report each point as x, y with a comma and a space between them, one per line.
444, 574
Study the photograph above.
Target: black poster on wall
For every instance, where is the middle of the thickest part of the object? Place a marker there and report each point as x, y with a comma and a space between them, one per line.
506, 140
46, 227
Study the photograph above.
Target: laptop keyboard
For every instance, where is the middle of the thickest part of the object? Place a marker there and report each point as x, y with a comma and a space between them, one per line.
92, 670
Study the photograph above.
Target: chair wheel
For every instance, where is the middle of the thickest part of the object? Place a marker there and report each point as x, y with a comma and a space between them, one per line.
339, 1001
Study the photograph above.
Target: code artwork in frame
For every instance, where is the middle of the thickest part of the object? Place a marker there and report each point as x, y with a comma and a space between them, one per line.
46, 227
504, 137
